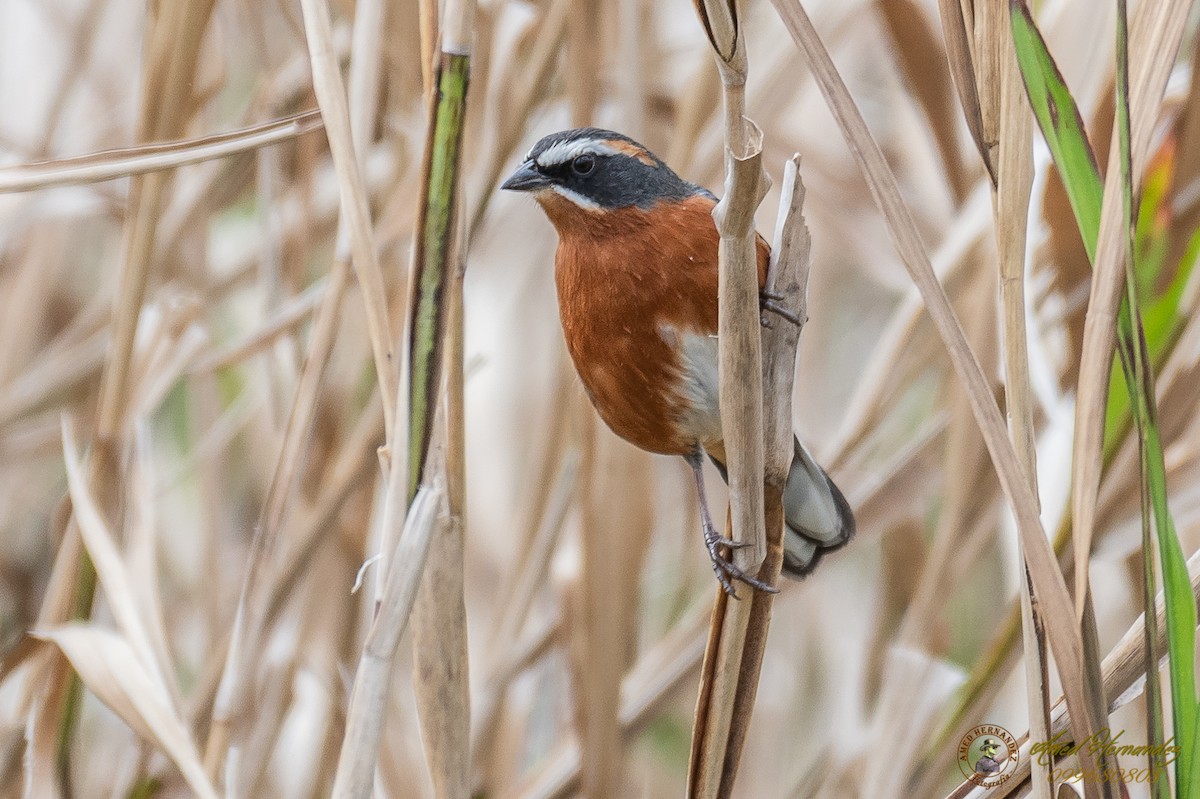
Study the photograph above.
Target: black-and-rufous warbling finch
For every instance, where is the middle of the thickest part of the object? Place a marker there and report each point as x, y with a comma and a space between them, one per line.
636, 270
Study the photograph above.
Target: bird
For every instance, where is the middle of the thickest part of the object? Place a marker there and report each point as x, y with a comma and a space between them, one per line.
636, 277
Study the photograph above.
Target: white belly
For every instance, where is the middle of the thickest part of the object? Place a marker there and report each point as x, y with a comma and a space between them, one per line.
699, 385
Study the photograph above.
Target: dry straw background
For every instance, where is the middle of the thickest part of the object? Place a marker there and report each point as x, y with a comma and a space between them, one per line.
236, 269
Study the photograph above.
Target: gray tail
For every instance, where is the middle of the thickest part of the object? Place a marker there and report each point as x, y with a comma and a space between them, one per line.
817, 516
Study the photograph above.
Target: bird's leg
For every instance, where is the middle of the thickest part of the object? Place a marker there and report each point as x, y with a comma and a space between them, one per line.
769, 301
723, 567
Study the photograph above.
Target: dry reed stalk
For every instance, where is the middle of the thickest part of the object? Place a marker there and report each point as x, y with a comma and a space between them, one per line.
427, 517
174, 49
169, 71
427, 21
584, 63
247, 627
335, 111
250, 621
741, 400
1047, 579
787, 277
546, 40
354, 468
631, 74
1013, 186
81, 52
432, 269
145, 158
957, 24
284, 368
988, 26
1156, 32
440, 673
603, 600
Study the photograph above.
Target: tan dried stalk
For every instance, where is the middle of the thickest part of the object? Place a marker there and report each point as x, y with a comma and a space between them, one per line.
440, 673
1048, 582
331, 97
428, 517
1155, 33
251, 617
144, 158
165, 106
1015, 156
741, 399
962, 69
787, 277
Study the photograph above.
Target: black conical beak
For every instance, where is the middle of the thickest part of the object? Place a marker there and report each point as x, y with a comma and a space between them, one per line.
527, 178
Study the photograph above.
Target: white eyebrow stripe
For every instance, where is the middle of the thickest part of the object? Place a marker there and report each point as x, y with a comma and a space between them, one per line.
566, 151
576, 197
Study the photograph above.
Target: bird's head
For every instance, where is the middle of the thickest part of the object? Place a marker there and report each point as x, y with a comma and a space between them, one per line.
578, 174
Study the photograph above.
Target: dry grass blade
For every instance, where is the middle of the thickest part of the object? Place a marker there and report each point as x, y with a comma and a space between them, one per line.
1155, 35
922, 686
169, 72
331, 96
1015, 155
115, 673
145, 158
368, 701
521, 92
285, 319
253, 618
110, 568
281, 490
962, 70
1047, 579
991, 43
518, 599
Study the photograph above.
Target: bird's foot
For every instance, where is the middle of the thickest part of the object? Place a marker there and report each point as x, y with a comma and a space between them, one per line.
724, 567
768, 301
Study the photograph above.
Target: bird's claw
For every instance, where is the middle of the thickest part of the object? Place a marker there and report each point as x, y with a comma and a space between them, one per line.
769, 301
726, 570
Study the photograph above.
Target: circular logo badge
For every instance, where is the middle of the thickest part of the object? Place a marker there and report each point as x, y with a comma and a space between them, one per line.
987, 755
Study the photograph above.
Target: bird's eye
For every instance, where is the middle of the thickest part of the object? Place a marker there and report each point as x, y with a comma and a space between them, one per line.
583, 165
